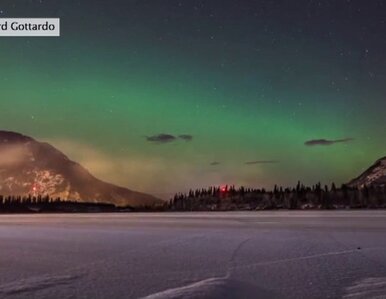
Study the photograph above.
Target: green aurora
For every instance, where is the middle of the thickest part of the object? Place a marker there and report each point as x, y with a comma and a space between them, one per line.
126, 70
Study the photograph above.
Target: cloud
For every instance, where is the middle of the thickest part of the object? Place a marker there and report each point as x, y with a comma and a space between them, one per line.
314, 142
215, 163
161, 138
166, 138
137, 170
133, 170
141, 171
261, 162
11, 155
186, 137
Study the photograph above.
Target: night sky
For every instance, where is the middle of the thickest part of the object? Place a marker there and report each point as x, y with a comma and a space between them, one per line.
163, 96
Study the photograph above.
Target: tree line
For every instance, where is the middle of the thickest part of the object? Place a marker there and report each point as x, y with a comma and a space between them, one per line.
298, 197
35, 204
223, 198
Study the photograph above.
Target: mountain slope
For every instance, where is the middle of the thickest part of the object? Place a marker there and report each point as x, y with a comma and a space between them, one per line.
374, 176
31, 167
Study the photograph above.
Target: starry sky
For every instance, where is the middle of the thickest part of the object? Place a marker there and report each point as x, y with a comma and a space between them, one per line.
163, 96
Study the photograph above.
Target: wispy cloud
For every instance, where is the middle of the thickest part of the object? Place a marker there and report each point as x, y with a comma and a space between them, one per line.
11, 155
325, 142
261, 162
166, 138
161, 138
132, 169
186, 137
137, 170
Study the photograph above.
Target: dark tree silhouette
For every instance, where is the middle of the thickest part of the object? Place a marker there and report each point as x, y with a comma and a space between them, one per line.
300, 197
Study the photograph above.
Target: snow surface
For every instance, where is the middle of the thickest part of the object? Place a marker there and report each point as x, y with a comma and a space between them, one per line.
309, 254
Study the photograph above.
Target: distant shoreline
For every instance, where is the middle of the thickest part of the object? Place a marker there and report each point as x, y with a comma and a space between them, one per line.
217, 199
118, 210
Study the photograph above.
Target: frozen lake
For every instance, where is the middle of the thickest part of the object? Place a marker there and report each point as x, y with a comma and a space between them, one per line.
337, 254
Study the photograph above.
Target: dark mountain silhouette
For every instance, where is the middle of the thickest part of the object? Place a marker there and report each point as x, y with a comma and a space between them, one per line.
374, 176
31, 167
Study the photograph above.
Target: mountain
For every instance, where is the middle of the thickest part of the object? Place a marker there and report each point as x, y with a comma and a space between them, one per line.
31, 167
374, 176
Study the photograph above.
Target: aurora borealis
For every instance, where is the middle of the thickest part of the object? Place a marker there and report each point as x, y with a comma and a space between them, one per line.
243, 81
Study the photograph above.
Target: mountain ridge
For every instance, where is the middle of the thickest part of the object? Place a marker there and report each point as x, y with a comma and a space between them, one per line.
32, 167
375, 175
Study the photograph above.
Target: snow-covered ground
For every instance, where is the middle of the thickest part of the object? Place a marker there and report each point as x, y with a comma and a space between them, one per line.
194, 255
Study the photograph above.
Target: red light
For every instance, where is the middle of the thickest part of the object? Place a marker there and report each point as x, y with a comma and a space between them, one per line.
223, 189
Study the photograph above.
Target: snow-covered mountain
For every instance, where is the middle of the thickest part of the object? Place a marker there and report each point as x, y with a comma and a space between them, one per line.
374, 176
31, 167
